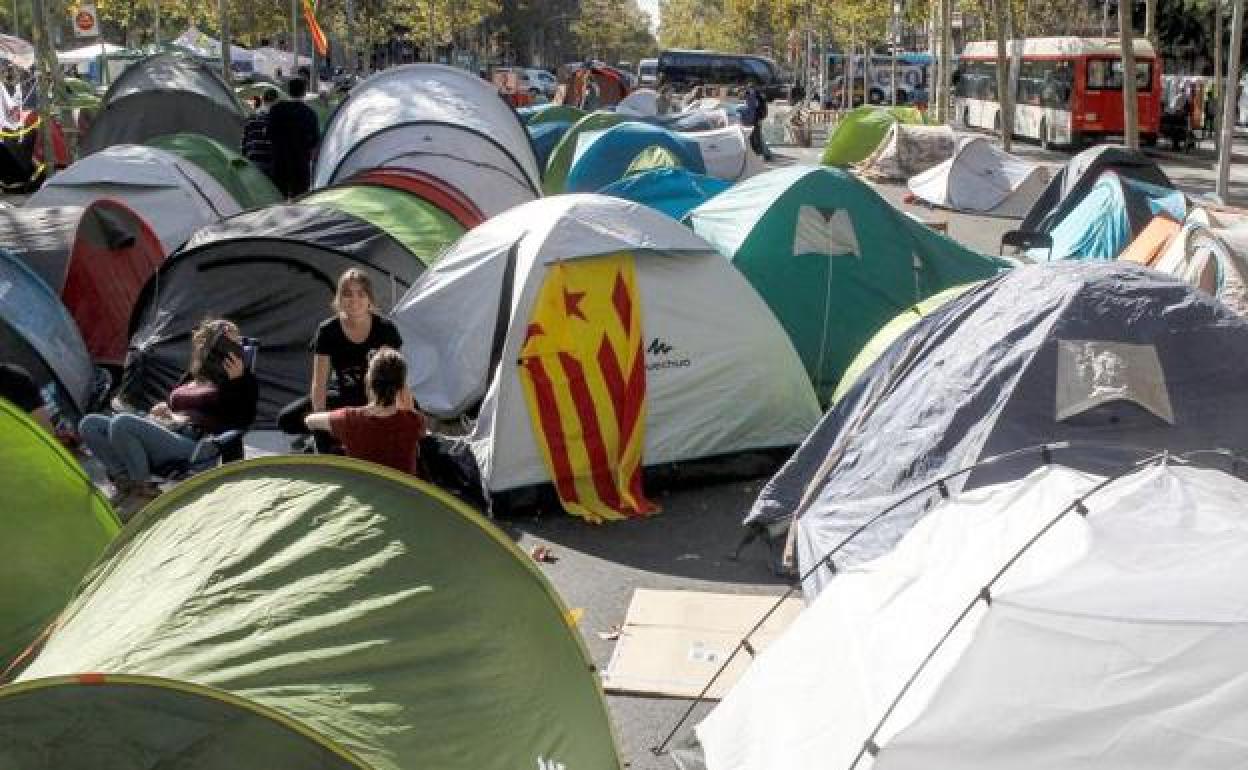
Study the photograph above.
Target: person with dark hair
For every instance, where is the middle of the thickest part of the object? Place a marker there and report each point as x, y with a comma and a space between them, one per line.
19, 388
294, 133
388, 429
216, 394
257, 147
341, 348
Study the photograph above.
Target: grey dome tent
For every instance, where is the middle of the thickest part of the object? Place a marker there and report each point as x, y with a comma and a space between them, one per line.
37, 333
273, 272
1105, 354
309, 613
42, 237
439, 120
1075, 180
166, 93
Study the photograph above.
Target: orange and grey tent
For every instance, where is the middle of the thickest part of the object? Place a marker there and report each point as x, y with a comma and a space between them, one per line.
1152, 241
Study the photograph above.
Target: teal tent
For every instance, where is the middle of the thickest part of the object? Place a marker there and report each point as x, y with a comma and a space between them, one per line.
309, 612
833, 260
545, 137
674, 191
608, 156
555, 176
55, 523
1109, 216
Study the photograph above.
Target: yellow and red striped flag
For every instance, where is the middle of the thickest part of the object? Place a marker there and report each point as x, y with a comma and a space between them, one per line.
583, 371
314, 29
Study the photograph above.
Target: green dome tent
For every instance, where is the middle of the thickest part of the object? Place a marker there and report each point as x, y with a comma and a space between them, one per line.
311, 613
56, 525
564, 154
862, 130
554, 113
833, 260
243, 181
414, 222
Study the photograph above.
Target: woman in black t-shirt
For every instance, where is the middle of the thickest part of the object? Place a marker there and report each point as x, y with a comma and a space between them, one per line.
341, 347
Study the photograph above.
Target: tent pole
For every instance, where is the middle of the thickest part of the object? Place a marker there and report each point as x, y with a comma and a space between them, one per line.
1229, 105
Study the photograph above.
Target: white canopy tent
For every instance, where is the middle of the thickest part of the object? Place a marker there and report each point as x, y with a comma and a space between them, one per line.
1101, 630
87, 53
172, 194
727, 153
439, 120
721, 378
208, 47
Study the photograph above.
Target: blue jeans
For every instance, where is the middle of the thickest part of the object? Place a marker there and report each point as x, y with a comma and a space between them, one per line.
130, 446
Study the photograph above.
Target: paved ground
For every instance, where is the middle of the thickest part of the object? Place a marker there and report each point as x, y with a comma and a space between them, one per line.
688, 545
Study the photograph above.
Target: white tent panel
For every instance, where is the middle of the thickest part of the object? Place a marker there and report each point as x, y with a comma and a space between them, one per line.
908, 150
173, 195
643, 102
425, 93
1109, 643
1212, 256
478, 169
982, 178
727, 153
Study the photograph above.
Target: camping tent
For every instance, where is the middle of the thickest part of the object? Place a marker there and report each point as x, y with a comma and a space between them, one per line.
1080, 174
273, 272
21, 154
907, 150
172, 194
983, 179
1060, 620
41, 237
545, 136
603, 157
1109, 216
1104, 354
56, 525
1152, 241
596, 87
310, 612
37, 333
1211, 253
17, 51
427, 187
674, 191
166, 93
561, 158
642, 102
861, 130
440, 120
422, 227
247, 184
832, 259
719, 375
727, 154
549, 113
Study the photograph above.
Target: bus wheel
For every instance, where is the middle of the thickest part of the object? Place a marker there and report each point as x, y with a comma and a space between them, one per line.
1045, 144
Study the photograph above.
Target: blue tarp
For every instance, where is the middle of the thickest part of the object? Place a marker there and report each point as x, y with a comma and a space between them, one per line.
1109, 217
609, 155
674, 191
544, 137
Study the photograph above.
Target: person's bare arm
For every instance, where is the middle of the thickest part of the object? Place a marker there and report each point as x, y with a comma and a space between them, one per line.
320, 382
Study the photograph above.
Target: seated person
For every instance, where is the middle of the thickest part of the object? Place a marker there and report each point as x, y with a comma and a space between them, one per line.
217, 394
18, 387
342, 346
387, 430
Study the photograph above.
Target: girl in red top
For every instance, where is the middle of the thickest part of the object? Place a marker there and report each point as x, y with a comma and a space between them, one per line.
387, 430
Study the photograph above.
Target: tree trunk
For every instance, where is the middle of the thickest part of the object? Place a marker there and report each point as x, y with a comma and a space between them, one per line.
44, 54
1227, 133
223, 12
894, 33
1130, 106
1217, 48
1004, 97
946, 60
1150, 26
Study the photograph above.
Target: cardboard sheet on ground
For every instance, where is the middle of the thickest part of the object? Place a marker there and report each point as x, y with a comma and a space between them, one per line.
673, 642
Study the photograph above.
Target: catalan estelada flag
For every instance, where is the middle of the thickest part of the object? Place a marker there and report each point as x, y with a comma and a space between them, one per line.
314, 29
583, 371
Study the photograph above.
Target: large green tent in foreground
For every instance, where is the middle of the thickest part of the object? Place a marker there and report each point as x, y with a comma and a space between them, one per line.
858, 133
414, 222
55, 524
832, 259
309, 612
246, 183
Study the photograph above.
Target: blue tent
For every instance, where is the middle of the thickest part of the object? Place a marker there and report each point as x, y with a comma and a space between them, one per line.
544, 137
1109, 217
674, 191
38, 334
603, 158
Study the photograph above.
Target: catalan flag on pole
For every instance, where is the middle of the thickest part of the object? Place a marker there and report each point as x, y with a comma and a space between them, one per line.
314, 29
583, 371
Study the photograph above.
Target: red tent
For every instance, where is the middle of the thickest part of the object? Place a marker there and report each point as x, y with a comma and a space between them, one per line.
114, 253
427, 187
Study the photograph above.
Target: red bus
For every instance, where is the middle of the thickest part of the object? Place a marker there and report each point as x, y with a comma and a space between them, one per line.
1067, 90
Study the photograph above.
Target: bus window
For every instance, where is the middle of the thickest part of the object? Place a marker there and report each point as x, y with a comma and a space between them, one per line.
1045, 83
1106, 75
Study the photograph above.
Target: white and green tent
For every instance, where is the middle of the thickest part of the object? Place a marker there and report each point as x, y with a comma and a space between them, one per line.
301, 612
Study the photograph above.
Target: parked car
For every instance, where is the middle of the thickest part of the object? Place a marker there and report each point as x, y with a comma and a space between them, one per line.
542, 82
648, 72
